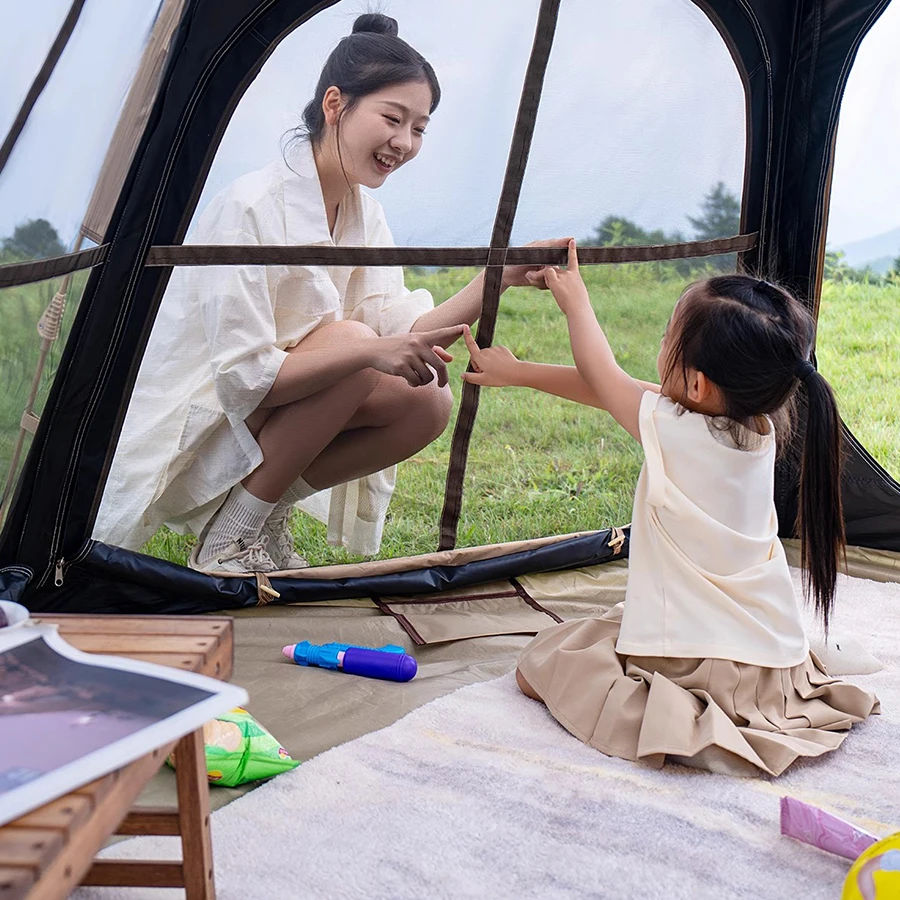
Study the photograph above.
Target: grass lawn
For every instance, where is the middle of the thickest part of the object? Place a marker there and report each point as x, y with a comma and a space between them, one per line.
539, 465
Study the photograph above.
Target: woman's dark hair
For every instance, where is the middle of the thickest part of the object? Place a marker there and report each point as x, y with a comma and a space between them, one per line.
372, 57
753, 339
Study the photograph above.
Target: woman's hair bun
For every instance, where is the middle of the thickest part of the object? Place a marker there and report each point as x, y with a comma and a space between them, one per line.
376, 23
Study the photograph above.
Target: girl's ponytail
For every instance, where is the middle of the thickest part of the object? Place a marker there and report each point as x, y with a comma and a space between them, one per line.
820, 520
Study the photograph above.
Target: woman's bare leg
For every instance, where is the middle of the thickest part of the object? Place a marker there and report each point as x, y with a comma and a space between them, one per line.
361, 425
395, 422
293, 435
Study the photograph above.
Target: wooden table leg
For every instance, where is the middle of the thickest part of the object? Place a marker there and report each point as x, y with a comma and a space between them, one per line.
193, 817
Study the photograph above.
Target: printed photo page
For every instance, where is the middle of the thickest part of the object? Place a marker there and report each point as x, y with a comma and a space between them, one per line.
69, 717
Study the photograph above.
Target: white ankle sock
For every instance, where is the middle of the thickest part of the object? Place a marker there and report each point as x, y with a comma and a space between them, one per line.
299, 490
241, 516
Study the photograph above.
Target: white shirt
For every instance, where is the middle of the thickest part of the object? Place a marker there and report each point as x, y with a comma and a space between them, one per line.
707, 575
218, 343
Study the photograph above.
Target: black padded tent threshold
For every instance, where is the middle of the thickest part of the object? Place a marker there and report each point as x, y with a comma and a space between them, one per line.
111, 580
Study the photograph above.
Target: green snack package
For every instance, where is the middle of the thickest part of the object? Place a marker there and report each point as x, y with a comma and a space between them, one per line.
239, 749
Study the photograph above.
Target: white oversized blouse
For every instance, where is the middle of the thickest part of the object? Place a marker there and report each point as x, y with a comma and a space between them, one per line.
707, 575
218, 343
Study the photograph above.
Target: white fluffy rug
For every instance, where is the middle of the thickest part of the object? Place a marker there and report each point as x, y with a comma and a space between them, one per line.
481, 794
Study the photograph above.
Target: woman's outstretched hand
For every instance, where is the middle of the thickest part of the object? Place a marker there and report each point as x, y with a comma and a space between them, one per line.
530, 276
413, 356
494, 367
567, 286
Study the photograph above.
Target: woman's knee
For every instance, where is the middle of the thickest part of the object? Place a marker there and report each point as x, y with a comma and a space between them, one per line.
334, 334
340, 334
431, 406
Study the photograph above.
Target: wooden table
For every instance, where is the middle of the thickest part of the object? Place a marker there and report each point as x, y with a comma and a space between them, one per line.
46, 854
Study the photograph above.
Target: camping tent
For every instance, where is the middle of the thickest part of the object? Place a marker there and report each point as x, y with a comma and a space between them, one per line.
172, 76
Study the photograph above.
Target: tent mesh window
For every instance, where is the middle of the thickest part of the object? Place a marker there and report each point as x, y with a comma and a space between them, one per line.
537, 466
859, 333
649, 132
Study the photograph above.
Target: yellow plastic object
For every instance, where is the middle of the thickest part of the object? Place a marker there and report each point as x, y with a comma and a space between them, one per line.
876, 874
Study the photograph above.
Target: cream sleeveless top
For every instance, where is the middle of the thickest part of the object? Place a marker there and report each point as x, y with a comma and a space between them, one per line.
707, 574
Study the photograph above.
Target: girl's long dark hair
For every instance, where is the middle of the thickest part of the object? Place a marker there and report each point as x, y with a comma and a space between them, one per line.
753, 339
372, 57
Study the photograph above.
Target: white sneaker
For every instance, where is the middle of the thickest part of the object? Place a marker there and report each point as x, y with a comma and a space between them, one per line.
238, 558
277, 531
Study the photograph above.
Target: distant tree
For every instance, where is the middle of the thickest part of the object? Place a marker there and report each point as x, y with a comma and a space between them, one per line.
838, 270
34, 239
721, 215
617, 231
895, 266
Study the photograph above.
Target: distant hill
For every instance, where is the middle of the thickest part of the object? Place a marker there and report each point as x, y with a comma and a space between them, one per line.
877, 252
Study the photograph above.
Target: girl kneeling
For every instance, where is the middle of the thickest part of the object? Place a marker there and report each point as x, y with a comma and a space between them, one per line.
706, 662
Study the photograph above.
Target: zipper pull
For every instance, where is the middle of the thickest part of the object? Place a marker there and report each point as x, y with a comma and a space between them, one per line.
58, 580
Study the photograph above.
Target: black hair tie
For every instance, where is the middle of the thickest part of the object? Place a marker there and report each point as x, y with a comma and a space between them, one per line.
804, 369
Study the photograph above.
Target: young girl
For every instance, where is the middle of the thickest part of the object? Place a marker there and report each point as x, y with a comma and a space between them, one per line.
706, 662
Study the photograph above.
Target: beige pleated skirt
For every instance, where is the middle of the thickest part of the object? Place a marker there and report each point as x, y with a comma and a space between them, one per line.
714, 714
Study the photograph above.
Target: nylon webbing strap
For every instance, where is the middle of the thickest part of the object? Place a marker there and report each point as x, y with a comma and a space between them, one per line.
283, 255
13, 274
42, 269
506, 211
40, 81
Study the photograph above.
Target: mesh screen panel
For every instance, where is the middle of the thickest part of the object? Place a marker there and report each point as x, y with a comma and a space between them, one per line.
464, 152
55, 164
26, 34
641, 115
539, 465
859, 315
24, 380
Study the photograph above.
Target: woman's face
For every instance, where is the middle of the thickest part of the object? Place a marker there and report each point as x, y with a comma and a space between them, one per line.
383, 131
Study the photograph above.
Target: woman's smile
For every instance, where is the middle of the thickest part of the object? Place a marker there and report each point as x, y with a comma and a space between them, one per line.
384, 163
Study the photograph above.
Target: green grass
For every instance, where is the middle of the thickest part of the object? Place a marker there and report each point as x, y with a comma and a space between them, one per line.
20, 310
858, 351
539, 465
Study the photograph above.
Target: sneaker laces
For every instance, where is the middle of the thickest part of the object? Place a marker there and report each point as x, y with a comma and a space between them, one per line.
253, 555
279, 531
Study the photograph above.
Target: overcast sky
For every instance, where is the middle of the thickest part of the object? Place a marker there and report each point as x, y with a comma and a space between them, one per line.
641, 114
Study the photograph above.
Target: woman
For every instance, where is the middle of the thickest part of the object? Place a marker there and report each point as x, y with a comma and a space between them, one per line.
262, 387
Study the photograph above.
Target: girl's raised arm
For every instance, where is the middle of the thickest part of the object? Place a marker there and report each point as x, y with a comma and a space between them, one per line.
616, 390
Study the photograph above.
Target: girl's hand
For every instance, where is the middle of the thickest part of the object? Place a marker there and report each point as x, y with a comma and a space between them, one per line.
413, 356
523, 276
494, 367
567, 286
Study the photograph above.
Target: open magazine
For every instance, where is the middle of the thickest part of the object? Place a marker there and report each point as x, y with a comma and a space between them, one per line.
68, 717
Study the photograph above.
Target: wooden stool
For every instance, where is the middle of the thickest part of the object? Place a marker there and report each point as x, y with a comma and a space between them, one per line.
47, 853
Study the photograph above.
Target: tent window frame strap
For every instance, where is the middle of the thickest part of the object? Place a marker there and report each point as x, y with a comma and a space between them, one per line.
15, 274
168, 256
482, 257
